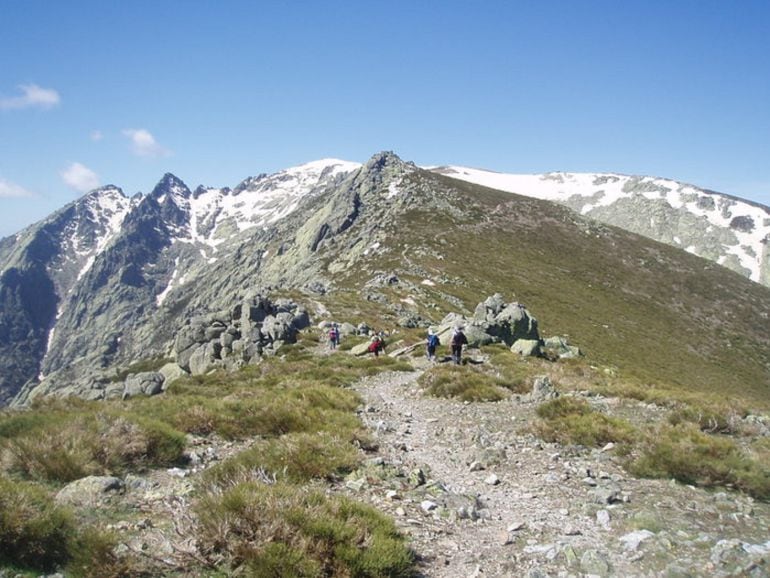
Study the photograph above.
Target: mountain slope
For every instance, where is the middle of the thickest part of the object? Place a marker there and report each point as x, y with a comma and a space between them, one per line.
732, 232
77, 288
391, 244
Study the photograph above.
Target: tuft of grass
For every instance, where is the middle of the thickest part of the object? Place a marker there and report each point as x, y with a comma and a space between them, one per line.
687, 454
269, 527
63, 446
34, 532
569, 420
297, 457
464, 383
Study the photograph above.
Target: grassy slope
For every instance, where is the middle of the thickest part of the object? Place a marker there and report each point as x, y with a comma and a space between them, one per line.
658, 314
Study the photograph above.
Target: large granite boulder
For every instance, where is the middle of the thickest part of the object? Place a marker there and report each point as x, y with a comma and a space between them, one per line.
145, 383
493, 321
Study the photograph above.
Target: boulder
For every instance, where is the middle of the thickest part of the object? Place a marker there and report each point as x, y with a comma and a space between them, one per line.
171, 372
89, 491
526, 347
543, 389
360, 349
183, 357
493, 321
348, 329
514, 322
214, 331
254, 327
561, 348
279, 328
203, 359
145, 383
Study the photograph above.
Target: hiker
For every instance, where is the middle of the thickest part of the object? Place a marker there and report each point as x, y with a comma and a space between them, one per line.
334, 336
377, 344
458, 340
432, 343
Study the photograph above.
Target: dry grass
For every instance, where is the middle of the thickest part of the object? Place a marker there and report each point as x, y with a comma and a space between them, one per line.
283, 530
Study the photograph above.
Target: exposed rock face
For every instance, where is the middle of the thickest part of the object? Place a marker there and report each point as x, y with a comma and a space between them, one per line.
232, 339
105, 281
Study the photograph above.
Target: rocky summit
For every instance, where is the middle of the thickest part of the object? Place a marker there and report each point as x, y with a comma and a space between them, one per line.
193, 388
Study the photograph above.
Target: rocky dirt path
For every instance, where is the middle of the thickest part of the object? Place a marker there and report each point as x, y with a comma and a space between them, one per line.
480, 496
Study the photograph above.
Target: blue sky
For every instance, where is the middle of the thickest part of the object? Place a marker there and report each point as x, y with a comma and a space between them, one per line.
98, 92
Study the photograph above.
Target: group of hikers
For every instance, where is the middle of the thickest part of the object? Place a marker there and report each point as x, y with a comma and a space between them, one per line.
377, 343
456, 345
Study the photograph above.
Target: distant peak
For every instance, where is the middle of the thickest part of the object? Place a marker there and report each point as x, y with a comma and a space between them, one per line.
106, 190
170, 183
383, 159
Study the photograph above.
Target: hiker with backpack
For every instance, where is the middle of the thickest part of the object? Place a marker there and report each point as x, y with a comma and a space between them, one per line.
334, 336
432, 343
458, 340
377, 344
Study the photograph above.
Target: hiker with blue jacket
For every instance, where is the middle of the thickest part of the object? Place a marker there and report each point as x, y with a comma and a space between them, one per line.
432, 343
458, 340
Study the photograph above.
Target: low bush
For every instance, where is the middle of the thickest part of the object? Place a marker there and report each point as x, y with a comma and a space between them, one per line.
281, 529
687, 454
569, 420
34, 532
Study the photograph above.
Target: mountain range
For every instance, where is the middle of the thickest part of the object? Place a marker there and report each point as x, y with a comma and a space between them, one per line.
108, 280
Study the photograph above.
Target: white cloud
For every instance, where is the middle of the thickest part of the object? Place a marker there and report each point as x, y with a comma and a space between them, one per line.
9, 190
80, 177
143, 144
96, 135
33, 96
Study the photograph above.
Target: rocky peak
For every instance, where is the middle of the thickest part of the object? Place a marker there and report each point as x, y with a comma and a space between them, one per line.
170, 186
383, 160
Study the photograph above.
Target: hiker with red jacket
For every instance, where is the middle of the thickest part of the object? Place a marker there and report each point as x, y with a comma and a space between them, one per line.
377, 344
458, 340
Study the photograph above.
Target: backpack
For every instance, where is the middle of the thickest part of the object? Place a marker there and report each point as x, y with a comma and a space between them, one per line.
433, 341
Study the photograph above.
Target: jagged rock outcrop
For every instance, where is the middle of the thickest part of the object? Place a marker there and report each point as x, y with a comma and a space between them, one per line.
493, 321
231, 339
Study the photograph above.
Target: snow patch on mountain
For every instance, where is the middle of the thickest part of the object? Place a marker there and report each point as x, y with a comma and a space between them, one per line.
218, 214
742, 228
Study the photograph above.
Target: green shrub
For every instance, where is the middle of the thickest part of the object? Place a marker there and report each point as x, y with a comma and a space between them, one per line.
34, 532
254, 524
568, 420
685, 453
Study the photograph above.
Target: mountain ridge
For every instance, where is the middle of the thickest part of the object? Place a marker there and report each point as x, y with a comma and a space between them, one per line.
329, 227
731, 231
